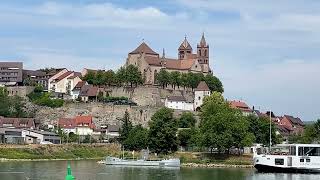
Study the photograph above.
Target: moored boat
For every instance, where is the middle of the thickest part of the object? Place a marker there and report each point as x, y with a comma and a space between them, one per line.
292, 158
161, 163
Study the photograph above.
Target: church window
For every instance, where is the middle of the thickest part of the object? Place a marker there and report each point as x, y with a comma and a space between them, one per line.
205, 52
196, 66
189, 52
199, 52
199, 97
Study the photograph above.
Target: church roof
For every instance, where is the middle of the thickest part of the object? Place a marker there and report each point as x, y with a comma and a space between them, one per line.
185, 44
170, 63
143, 48
203, 41
202, 86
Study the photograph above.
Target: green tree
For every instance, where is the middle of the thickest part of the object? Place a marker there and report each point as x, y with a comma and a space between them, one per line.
187, 120
184, 137
90, 77
137, 138
162, 132
11, 106
126, 127
163, 78
133, 75
214, 83
175, 79
222, 127
260, 127
121, 77
99, 78
109, 77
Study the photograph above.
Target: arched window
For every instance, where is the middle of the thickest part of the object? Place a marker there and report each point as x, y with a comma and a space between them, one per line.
155, 76
199, 52
205, 52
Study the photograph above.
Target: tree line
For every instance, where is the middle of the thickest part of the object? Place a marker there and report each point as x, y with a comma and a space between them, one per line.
129, 75
221, 128
311, 134
187, 80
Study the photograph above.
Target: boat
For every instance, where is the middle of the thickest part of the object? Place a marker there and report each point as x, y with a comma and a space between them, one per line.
142, 162
289, 158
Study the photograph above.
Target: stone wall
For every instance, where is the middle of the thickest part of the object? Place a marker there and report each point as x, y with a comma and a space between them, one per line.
21, 91
149, 100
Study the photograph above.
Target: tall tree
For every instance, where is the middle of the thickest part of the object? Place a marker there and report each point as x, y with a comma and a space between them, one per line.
222, 127
137, 138
109, 77
163, 78
90, 77
175, 79
214, 83
162, 132
121, 77
187, 120
126, 127
133, 75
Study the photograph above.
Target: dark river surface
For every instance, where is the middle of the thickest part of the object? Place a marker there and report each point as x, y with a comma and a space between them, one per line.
91, 170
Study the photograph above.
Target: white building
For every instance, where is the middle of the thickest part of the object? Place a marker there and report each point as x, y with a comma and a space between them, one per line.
51, 87
39, 137
179, 103
199, 93
80, 125
65, 82
77, 89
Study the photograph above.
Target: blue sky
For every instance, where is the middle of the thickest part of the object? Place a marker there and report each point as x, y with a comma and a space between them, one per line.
265, 52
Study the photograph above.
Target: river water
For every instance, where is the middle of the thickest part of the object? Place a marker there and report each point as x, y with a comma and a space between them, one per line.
91, 170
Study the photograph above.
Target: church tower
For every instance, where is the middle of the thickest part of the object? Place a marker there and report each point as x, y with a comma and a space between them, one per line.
203, 51
185, 49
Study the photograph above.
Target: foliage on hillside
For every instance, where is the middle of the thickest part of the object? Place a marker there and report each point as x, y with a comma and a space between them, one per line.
190, 80
11, 106
44, 98
129, 75
311, 134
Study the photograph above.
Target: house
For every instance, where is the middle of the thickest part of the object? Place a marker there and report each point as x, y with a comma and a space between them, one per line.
293, 123
39, 77
39, 137
80, 125
51, 87
11, 73
77, 88
11, 136
89, 93
113, 131
18, 123
242, 106
284, 131
179, 103
200, 93
65, 83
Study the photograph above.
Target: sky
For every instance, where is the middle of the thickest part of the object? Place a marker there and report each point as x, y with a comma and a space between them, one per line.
266, 53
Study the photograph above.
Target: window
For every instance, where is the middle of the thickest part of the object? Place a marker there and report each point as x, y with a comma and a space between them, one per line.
199, 52
307, 160
199, 97
301, 160
279, 161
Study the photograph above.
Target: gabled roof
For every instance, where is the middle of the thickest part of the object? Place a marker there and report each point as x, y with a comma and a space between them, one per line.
173, 64
64, 75
143, 48
89, 90
75, 74
240, 105
17, 122
293, 120
79, 85
78, 121
185, 45
176, 98
202, 86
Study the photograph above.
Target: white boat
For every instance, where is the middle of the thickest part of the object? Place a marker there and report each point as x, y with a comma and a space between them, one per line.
294, 158
162, 163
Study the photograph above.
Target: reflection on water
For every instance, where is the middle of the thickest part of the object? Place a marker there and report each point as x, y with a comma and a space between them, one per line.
90, 170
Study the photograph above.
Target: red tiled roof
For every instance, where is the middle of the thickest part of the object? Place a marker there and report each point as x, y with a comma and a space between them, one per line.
89, 90
64, 75
294, 120
79, 85
17, 122
240, 105
174, 64
75, 74
143, 48
202, 86
78, 121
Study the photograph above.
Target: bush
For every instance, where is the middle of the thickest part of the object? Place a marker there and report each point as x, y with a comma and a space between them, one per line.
43, 99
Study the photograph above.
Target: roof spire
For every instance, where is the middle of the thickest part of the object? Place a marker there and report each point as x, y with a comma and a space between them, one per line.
203, 40
163, 53
185, 44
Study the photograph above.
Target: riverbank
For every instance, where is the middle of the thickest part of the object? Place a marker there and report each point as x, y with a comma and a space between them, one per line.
100, 151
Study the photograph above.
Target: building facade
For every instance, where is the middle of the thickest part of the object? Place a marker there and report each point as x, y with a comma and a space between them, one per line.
150, 63
10, 73
178, 103
200, 93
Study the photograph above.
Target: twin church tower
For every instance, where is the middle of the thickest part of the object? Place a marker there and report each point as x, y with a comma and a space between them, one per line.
150, 63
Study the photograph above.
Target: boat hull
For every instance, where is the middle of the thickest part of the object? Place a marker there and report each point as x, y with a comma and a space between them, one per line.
162, 163
266, 168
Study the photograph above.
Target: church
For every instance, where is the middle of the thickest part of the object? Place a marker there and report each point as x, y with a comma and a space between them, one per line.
150, 62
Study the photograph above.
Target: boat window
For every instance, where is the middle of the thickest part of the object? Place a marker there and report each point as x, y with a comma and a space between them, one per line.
309, 151
293, 151
279, 161
307, 160
301, 160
